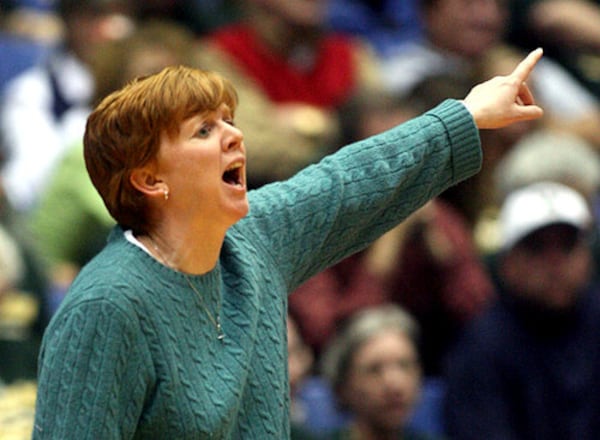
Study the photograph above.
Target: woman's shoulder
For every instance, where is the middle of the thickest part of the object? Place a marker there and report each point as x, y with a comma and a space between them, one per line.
115, 275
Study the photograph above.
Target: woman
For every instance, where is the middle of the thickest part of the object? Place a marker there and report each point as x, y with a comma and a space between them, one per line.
176, 329
374, 369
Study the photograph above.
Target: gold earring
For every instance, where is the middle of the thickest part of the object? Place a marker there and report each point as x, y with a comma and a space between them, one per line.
166, 193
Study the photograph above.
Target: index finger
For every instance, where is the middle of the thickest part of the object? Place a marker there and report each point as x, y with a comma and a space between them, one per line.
525, 67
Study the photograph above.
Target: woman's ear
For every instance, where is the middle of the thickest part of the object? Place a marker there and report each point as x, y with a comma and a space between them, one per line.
145, 181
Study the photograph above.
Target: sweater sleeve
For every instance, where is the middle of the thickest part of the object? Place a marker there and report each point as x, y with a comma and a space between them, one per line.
94, 374
342, 204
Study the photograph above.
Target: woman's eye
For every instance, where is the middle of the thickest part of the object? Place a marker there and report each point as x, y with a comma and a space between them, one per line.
230, 121
204, 131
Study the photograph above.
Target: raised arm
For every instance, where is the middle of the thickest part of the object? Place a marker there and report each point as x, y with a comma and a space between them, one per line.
350, 198
504, 100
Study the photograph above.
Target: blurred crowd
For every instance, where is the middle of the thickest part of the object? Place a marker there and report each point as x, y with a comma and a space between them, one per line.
475, 318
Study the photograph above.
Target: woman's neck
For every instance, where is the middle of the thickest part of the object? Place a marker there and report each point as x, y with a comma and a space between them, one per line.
192, 253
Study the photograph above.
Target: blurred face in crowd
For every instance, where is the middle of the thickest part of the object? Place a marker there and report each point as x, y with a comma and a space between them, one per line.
148, 60
467, 28
549, 266
303, 13
383, 381
92, 25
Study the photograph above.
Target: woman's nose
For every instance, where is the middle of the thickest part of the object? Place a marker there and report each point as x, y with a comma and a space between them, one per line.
232, 137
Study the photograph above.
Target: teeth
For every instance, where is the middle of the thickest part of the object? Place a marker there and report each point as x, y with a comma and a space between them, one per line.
234, 166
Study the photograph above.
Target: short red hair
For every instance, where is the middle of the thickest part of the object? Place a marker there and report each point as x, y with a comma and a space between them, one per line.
124, 132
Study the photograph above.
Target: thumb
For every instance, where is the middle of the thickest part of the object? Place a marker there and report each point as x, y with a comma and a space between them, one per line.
527, 112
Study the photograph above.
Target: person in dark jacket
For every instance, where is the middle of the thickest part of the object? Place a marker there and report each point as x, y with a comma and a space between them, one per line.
529, 367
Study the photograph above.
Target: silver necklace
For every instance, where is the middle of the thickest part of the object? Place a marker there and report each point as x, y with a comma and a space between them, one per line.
215, 322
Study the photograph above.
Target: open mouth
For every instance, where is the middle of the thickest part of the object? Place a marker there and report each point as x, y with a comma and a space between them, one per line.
233, 174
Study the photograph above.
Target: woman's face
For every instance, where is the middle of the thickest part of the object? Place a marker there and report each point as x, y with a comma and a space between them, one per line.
204, 168
383, 381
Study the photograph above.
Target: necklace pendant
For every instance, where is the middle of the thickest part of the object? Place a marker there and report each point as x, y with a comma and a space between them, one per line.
220, 334
215, 322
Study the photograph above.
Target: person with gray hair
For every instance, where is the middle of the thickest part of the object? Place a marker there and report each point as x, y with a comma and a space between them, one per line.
374, 369
553, 156
550, 155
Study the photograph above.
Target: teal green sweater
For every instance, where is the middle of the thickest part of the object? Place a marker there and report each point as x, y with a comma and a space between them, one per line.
131, 352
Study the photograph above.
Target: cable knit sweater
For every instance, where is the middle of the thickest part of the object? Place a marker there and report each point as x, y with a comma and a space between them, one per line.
131, 353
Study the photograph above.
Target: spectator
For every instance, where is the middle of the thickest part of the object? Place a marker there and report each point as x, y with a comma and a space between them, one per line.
548, 155
19, 49
373, 366
479, 49
35, 21
529, 367
386, 24
44, 107
198, 16
304, 73
567, 29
